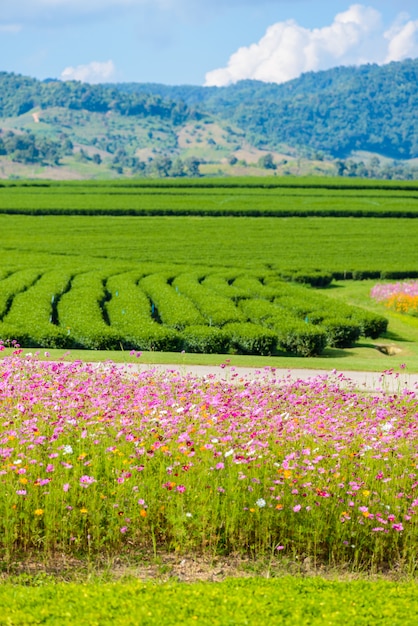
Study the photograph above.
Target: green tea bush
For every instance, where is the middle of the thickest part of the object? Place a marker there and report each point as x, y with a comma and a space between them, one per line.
371, 324
341, 333
205, 339
32, 318
13, 284
225, 284
315, 278
251, 339
174, 309
80, 312
299, 338
217, 310
129, 312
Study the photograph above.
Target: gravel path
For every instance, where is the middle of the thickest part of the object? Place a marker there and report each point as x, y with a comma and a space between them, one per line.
367, 381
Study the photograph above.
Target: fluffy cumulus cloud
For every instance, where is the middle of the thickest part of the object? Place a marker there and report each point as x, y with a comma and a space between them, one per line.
94, 72
402, 40
288, 49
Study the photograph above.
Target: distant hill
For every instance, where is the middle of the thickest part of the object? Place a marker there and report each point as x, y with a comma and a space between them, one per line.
347, 120
371, 107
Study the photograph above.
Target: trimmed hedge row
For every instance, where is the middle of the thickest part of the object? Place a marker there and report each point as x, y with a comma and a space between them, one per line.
32, 316
129, 311
13, 284
217, 310
173, 309
250, 338
80, 313
224, 284
161, 311
205, 339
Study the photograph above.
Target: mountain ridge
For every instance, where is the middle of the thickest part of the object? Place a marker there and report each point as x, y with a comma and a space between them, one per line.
326, 118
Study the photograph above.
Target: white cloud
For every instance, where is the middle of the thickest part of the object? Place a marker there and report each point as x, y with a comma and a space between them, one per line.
94, 72
403, 40
356, 36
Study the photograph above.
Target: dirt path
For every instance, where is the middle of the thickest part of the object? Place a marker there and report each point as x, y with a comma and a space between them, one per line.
367, 381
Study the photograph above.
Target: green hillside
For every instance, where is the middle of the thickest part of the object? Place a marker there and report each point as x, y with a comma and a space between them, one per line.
345, 121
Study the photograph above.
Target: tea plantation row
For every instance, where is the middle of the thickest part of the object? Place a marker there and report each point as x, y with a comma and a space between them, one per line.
275, 199
296, 248
213, 312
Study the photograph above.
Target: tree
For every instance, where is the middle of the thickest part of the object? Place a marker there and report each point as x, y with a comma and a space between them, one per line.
192, 166
267, 162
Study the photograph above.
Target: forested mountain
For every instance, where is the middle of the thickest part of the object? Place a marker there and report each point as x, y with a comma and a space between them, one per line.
165, 130
336, 111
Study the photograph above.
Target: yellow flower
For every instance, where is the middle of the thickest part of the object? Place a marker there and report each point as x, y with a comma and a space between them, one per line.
39, 511
83, 510
365, 492
23, 480
143, 513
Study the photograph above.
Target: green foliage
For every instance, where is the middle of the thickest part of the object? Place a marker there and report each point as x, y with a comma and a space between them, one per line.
319, 116
21, 94
129, 312
217, 198
250, 338
205, 339
80, 313
319, 111
299, 338
289, 599
28, 148
371, 324
174, 309
304, 601
217, 310
32, 317
341, 333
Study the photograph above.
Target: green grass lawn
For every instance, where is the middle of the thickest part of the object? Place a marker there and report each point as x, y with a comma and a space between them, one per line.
233, 602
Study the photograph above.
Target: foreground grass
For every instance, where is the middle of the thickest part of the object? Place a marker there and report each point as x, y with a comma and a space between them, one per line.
288, 600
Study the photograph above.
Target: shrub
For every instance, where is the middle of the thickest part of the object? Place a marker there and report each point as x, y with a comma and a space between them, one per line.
207, 339
250, 338
371, 324
341, 333
300, 338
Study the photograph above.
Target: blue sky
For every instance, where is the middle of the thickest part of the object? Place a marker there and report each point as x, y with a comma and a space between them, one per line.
213, 42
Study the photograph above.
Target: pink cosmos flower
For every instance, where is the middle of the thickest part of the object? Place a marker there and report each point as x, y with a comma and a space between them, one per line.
85, 481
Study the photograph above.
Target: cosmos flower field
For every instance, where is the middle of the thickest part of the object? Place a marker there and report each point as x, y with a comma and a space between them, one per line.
402, 297
102, 460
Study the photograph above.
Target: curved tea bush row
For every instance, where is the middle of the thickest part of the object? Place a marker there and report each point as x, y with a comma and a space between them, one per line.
32, 316
224, 284
205, 339
174, 309
162, 311
129, 311
14, 284
293, 335
217, 310
80, 312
